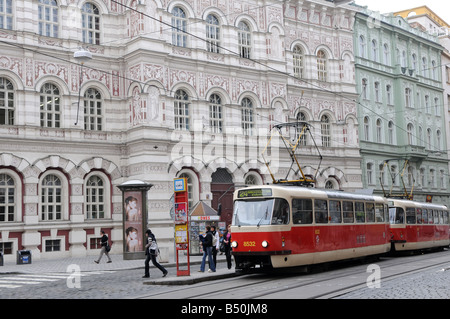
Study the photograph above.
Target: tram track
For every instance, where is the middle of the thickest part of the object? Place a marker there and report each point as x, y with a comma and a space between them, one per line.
320, 285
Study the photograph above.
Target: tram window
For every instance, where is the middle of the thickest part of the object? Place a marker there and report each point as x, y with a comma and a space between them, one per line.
396, 215
436, 216
347, 212
335, 212
419, 215
320, 211
302, 211
424, 216
410, 215
441, 217
379, 213
360, 212
370, 212
445, 214
280, 214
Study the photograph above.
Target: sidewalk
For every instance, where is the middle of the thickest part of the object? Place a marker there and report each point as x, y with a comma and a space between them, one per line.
87, 264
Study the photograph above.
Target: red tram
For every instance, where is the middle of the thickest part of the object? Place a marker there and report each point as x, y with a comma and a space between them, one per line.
418, 226
288, 226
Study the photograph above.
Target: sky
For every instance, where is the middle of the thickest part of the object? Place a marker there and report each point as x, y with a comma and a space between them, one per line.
440, 7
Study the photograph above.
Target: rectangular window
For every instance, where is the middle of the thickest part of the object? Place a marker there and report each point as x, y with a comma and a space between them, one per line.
321, 211
302, 211
360, 212
52, 245
335, 212
347, 211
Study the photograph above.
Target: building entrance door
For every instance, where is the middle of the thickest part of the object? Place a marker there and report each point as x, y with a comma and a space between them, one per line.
222, 188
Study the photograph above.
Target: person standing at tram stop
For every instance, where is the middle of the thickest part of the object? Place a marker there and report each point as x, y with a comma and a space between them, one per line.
215, 244
151, 250
105, 248
207, 241
227, 245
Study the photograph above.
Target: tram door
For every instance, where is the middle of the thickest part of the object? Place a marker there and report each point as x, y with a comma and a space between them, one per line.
222, 188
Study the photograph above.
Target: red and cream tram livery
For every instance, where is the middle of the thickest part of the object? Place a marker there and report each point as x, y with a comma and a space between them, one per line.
287, 226
416, 226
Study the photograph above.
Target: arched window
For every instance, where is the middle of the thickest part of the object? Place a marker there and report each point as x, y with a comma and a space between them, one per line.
379, 131
370, 172
433, 70
179, 27
95, 198
410, 132
375, 55
181, 109
325, 130
50, 106
90, 23
298, 62
301, 117
388, 94
51, 198
387, 54
253, 179
212, 33
93, 113
391, 133
215, 114
7, 109
7, 198
247, 120
364, 92
414, 62
245, 43
322, 66
366, 128
424, 66
48, 18
362, 46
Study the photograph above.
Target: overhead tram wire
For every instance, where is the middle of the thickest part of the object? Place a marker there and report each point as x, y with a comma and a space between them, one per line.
259, 63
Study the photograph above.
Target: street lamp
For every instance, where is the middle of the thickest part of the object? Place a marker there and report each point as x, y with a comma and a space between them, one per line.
81, 56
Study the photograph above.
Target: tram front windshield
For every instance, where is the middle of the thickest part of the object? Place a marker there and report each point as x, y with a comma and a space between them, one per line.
257, 212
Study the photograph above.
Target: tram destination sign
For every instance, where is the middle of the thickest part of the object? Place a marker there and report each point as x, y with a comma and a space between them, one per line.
254, 192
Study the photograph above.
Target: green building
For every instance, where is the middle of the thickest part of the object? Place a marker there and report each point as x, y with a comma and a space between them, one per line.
402, 130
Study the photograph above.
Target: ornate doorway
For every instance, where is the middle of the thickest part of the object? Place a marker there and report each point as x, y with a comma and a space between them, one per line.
222, 188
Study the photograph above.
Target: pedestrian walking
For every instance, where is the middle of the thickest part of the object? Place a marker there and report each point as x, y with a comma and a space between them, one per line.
105, 248
152, 250
207, 241
227, 245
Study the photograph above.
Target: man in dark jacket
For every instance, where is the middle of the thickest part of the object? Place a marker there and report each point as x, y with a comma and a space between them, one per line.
104, 249
207, 241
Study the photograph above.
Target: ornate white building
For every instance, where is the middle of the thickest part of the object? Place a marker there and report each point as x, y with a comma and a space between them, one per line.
174, 88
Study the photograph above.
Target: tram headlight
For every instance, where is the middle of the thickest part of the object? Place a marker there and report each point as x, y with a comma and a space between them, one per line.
234, 244
265, 244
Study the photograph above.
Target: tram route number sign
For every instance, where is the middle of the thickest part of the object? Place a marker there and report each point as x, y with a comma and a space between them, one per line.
255, 192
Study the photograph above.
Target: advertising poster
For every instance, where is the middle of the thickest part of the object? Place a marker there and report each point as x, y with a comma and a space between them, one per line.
133, 221
181, 234
181, 213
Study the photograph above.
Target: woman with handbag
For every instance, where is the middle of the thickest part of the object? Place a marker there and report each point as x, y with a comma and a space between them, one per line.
151, 250
105, 248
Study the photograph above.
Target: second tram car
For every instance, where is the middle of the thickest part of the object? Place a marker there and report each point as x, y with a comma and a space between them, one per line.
288, 226
418, 226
